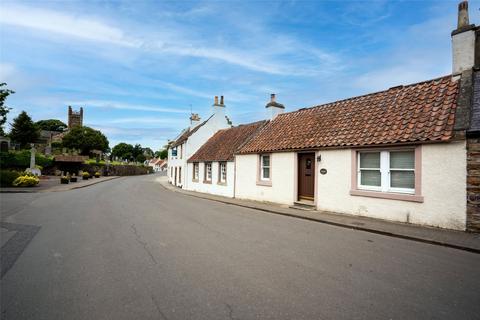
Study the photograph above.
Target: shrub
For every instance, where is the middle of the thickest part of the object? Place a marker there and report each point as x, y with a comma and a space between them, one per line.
21, 159
97, 174
64, 180
26, 181
7, 177
85, 175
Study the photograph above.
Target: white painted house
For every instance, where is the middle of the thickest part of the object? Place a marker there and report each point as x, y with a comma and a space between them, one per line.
212, 168
191, 139
157, 164
398, 154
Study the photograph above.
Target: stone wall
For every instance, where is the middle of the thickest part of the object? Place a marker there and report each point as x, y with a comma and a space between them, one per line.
117, 170
473, 184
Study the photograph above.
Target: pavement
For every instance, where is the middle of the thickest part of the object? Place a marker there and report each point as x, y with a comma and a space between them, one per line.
52, 184
130, 249
450, 238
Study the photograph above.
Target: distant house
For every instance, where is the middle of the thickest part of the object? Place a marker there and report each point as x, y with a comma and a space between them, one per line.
191, 139
212, 168
157, 164
398, 154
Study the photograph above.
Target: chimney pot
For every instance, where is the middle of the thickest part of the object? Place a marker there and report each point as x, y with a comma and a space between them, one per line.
272, 97
215, 100
221, 100
463, 20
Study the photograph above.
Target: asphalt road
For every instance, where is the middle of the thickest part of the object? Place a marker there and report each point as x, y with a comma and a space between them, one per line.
129, 249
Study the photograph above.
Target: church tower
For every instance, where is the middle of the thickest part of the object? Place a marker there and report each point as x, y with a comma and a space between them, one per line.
75, 118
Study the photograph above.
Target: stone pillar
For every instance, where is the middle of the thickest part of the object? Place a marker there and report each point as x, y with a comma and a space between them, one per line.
473, 184
32, 156
33, 168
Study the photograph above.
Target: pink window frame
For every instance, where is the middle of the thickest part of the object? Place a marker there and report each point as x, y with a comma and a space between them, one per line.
417, 197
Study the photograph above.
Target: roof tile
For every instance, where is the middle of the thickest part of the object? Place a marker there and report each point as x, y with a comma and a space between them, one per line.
223, 144
419, 112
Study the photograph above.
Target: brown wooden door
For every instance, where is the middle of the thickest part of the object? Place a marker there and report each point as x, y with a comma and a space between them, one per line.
306, 176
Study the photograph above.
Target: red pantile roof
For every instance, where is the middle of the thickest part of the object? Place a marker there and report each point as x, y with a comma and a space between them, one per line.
223, 144
405, 114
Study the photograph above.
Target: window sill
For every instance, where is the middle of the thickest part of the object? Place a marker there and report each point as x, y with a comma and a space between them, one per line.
207, 182
194, 180
387, 195
222, 183
264, 183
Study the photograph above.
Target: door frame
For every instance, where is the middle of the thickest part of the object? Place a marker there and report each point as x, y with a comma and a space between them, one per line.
296, 177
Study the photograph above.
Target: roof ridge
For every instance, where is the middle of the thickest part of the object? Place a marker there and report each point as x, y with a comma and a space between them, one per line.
367, 94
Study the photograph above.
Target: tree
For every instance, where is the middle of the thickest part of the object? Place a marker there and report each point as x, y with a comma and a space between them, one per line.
148, 153
123, 151
86, 139
137, 149
51, 125
4, 93
140, 158
162, 154
24, 131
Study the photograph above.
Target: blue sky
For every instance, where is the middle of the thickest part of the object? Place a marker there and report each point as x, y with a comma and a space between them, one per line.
137, 66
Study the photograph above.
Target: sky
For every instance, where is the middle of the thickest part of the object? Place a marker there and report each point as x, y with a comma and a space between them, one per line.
138, 68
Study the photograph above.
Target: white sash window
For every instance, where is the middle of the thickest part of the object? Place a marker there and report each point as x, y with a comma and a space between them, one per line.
387, 171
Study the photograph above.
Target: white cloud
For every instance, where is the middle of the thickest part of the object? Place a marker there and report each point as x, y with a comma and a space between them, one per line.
61, 23
142, 120
124, 106
261, 56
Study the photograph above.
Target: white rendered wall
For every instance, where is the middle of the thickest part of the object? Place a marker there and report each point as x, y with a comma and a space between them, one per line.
463, 51
196, 140
443, 189
193, 143
178, 161
283, 176
214, 187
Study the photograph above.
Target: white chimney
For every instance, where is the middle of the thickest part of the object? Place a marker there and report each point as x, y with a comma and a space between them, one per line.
218, 107
463, 41
274, 107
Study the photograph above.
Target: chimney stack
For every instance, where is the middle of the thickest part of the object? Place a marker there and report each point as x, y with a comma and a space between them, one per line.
463, 41
218, 108
274, 107
194, 120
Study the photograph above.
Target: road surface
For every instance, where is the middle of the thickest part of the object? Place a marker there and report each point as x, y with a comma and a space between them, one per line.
130, 249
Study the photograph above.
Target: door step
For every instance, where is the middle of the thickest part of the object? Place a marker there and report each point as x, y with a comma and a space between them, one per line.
300, 205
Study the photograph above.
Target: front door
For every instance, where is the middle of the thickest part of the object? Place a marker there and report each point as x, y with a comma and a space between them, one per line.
175, 179
306, 176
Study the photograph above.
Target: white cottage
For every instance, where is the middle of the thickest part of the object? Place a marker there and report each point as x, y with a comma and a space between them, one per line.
398, 154
212, 167
191, 139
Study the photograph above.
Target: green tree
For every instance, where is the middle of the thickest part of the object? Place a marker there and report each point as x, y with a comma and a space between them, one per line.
4, 93
140, 158
162, 154
51, 125
86, 139
24, 131
137, 149
148, 153
123, 151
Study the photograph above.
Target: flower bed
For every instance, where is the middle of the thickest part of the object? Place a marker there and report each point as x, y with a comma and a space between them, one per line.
26, 180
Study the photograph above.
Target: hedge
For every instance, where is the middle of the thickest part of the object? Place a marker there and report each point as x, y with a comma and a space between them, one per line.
21, 159
7, 177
